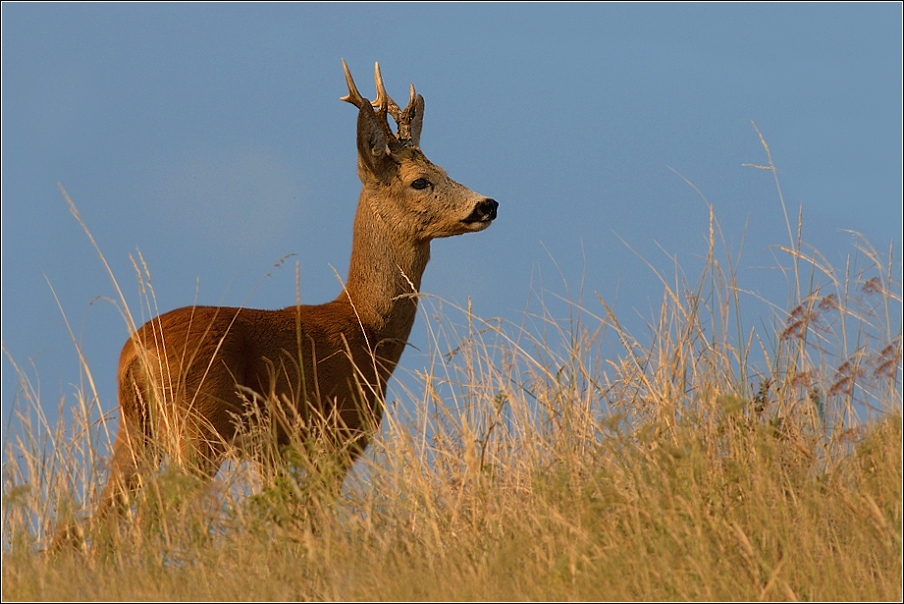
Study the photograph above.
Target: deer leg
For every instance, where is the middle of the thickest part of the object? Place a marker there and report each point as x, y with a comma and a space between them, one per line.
124, 479
208, 456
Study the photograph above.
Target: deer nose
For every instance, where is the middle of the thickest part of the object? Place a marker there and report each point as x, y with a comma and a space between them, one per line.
490, 206
485, 211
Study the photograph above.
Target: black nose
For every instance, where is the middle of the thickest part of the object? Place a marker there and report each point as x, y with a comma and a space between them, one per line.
485, 211
490, 205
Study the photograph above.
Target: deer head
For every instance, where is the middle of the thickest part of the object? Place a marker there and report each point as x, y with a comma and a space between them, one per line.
412, 194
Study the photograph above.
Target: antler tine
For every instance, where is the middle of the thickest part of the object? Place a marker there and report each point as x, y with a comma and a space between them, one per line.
412, 95
384, 103
412, 118
354, 97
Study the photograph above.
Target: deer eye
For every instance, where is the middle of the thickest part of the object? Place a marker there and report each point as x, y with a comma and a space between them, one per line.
420, 184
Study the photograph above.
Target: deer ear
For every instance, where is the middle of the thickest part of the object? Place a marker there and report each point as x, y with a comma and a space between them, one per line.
371, 141
415, 111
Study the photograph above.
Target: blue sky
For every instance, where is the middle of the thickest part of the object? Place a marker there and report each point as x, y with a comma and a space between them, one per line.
212, 139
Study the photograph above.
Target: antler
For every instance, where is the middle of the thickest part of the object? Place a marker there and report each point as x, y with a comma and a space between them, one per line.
354, 97
408, 121
384, 103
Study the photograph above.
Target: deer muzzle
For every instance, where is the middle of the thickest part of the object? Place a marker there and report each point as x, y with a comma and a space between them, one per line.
484, 211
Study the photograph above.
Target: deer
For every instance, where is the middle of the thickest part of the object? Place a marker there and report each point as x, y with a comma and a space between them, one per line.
192, 381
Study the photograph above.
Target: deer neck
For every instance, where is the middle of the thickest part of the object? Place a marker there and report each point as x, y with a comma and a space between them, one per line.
384, 275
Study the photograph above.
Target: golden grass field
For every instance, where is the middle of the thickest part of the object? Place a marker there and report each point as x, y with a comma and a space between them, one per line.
555, 459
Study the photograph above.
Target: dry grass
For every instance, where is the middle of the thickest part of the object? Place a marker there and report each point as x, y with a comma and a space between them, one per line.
705, 461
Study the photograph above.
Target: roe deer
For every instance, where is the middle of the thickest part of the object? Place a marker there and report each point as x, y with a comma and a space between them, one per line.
192, 380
